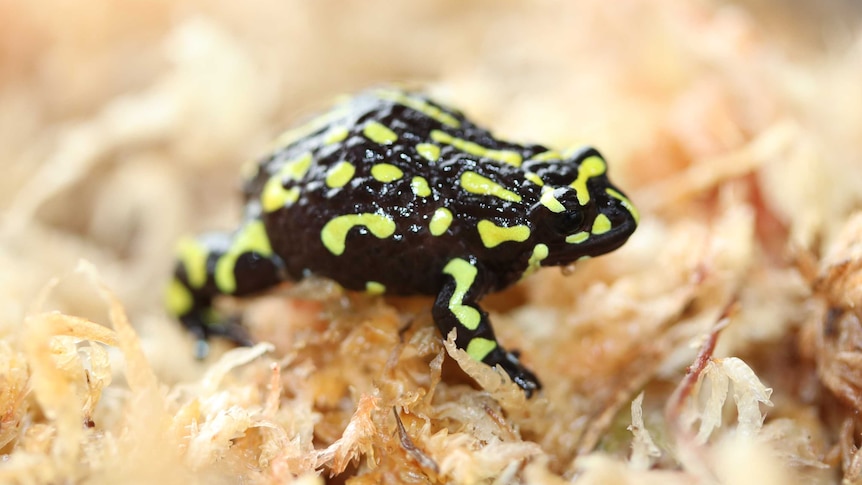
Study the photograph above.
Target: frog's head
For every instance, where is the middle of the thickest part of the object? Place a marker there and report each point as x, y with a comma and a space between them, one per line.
580, 213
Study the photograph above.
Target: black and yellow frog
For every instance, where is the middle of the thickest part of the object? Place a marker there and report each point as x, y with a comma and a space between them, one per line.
390, 192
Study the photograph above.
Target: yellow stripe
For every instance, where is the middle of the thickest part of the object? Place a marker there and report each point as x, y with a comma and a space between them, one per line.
178, 298
540, 253
379, 133
532, 177
504, 156
474, 183
340, 174
547, 156
479, 348
589, 168
493, 235
464, 274
334, 233
420, 187
193, 255
251, 238
601, 224
428, 151
625, 203
419, 105
386, 172
440, 221
550, 201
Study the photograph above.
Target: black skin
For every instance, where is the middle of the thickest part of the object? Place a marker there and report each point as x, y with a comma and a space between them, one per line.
411, 260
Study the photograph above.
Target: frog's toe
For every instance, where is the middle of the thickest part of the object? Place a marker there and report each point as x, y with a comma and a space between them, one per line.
202, 327
519, 374
233, 330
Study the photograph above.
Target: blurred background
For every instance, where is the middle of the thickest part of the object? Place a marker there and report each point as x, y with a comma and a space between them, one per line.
125, 125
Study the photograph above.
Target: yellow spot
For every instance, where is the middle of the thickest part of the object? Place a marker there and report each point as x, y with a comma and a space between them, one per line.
274, 196
547, 156
251, 238
532, 177
550, 201
625, 203
440, 221
385, 172
420, 187
295, 169
336, 135
193, 255
428, 151
340, 174
178, 298
591, 167
477, 184
375, 288
380, 134
464, 274
479, 348
601, 224
421, 106
577, 237
504, 156
540, 252
334, 233
493, 235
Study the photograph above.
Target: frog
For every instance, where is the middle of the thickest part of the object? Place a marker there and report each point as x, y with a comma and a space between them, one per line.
392, 193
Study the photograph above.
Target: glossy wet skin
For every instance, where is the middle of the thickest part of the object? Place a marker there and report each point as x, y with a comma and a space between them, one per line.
392, 193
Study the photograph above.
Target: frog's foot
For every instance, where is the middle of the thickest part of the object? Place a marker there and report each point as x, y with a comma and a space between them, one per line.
238, 263
206, 324
519, 374
456, 308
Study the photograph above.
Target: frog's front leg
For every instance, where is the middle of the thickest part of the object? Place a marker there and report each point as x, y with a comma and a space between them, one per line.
214, 264
456, 308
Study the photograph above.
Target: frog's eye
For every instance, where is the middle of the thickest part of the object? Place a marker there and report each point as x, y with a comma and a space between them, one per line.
569, 222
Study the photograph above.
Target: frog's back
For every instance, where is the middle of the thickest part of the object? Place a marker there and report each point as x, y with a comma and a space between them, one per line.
385, 189
390, 192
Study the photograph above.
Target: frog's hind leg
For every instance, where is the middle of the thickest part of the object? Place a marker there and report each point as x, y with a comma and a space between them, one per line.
214, 264
456, 308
